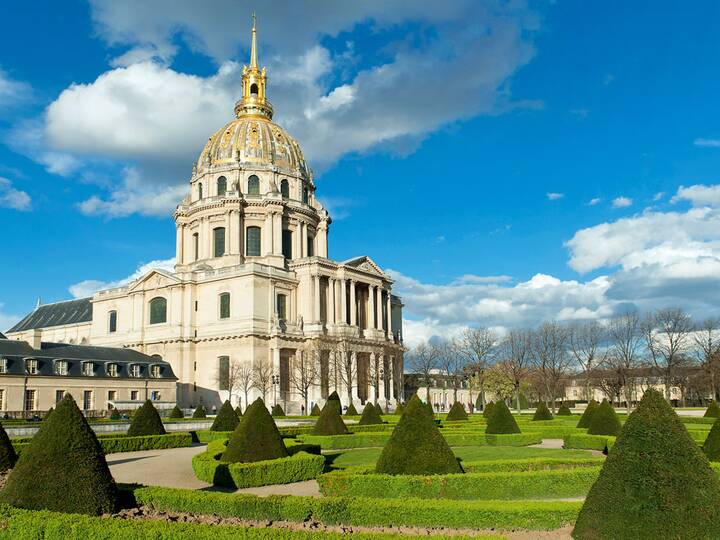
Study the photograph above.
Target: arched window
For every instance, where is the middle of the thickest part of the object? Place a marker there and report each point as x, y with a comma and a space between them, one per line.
221, 186
285, 188
158, 310
112, 321
282, 306
253, 242
306, 195
218, 241
200, 193
196, 246
223, 373
225, 306
253, 185
254, 90
287, 244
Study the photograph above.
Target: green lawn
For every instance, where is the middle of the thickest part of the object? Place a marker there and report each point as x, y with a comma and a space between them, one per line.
368, 456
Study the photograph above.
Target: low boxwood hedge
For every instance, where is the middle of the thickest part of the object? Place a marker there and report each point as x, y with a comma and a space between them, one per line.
453, 438
299, 466
362, 511
531, 464
111, 445
589, 442
506, 485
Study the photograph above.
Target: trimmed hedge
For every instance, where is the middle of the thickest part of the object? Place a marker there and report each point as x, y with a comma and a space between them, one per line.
298, 467
238, 411
146, 421
199, 412
379, 409
111, 445
564, 410
512, 485
501, 420
531, 464
277, 410
377, 440
256, 438
457, 412
8, 457
584, 421
370, 415
330, 421
605, 421
315, 410
713, 410
226, 419
601, 443
530, 515
542, 412
711, 447
335, 399
351, 410
488, 409
176, 412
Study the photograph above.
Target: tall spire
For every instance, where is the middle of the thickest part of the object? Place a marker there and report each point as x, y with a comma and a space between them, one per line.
254, 80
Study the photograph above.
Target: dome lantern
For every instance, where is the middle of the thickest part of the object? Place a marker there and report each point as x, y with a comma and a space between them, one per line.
254, 81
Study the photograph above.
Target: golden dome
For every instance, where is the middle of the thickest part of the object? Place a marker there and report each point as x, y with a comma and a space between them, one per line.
253, 140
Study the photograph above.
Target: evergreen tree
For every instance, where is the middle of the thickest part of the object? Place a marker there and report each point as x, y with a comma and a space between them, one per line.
655, 483
713, 411
146, 421
542, 412
226, 419
456, 412
501, 420
330, 422
488, 409
416, 446
256, 437
605, 421
8, 457
370, 415
176, 412
63, 469
199, 413
588, 414
351, 410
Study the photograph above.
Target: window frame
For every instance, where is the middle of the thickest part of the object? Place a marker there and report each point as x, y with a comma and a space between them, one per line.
285, 188
253, 185
88, 366
221, 181
35, 366
157, 299
135, 371
253, 229
112, 321
224, 310
65, 365
219, 241
282, 314
112, 369
155, 371
287, 243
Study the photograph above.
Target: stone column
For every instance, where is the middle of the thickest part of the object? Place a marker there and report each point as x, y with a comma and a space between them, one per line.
378, 308
343, 301
389, 316
316, 301
241, 234
297, 245
303, 240
371, 307
353, 304
391, 378
267, 241
381, 383
228, 222
179, 239
277, 233
331, 310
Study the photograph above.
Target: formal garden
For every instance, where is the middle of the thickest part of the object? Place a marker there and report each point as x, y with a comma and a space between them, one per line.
495, 474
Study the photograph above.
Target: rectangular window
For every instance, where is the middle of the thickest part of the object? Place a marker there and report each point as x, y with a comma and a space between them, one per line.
219, 241
225, 305
224, 373
155, 372
310, 246
282, 306
287, 244
87, 400
135, 370
32, 368
112, 323
196, 246
112, 370
30, 404
112, 395
59, 394
134, 395
155, 395
253, 241
88, 369
2, 399
61, 367
3, 365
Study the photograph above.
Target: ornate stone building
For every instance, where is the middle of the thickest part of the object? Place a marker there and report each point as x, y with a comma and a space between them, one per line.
253, 287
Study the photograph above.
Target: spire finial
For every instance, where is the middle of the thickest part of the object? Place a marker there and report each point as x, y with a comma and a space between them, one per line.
253, 49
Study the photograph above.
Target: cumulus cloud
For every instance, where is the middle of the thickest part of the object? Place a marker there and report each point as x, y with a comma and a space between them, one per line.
595, 201
621, 202
555, 196
147, 115
698, 195
89, 287
13, 198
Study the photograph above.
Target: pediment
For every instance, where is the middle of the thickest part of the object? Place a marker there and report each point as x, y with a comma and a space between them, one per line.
154, 279
366, 264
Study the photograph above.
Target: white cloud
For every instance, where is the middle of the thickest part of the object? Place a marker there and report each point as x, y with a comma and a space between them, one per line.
712, 143
659, 195
621, 202
594, 201
555, 196
13, 198
89, 287
12, 92
7, 320
698, 195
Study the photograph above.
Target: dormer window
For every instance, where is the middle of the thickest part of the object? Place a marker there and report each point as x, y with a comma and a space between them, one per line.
3, 365
31, 365
135, 370
61, 367
155, 371
112, 370
88, 369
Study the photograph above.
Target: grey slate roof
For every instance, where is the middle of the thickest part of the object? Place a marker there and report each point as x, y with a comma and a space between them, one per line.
68, 312
16, 352
2, 336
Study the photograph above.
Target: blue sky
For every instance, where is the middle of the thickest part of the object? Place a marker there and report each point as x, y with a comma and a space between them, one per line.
507, 162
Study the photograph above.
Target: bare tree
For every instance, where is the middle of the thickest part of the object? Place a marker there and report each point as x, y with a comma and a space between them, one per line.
707, 351
422, 360
666, 334
452, 364
551, 358
262, 375
305, 370
625, 339
476, 347
230, 376
514, 353
585, 341
245, 380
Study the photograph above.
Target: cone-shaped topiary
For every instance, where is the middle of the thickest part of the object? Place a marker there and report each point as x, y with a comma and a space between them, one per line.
605, 421
8, 457
63, 469
47, 414
588, 414
542, 413
335, 401
370, 415
399, 409
379, 409
226, 419
456, 412
256, 437
146, 421
176, 412
315, 410
277, 410
564, 410
501, 420
115, 414
429, 409
655, 483
711, 446
199, 412
488, 409
238, 411
351, 410
713, 411
416, 446
330, 422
